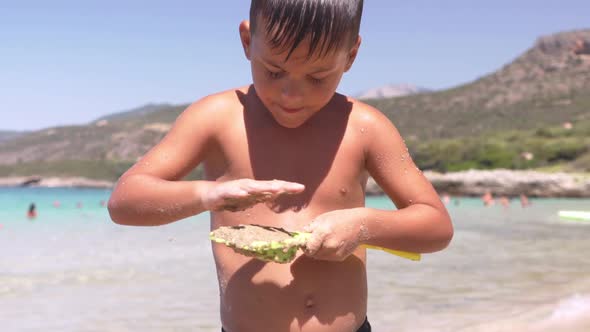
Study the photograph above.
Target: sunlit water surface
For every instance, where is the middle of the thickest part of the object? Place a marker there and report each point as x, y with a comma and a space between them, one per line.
71, 269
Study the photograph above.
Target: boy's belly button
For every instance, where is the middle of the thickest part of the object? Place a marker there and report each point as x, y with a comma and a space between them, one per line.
309, 302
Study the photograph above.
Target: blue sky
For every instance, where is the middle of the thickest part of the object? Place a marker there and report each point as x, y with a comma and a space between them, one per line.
69, 62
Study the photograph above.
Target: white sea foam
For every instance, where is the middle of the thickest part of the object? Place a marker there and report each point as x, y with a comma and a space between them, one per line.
569, 315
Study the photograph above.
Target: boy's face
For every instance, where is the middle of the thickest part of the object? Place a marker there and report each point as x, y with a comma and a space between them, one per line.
293, 90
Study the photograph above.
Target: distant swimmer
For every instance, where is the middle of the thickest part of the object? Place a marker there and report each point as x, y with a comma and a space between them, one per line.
446, 198
505, 201
488, 199
32, 214
56, 204
524, 201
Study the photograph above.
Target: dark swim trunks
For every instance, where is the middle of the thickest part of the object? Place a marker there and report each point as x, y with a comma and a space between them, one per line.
366, 327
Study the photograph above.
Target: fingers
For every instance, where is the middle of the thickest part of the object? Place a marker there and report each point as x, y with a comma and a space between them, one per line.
320, 246
242, 194
310, 228
275, 187
326, 251
313, 245
323, 246
314, 242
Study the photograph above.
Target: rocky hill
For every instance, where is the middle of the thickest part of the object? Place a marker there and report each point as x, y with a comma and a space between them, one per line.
391, 91
543, 88
547, 85
7, 135
117, 137
136, 112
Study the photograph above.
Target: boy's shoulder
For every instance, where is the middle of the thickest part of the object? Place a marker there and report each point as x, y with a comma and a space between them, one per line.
365, 114
213, 112
218, 104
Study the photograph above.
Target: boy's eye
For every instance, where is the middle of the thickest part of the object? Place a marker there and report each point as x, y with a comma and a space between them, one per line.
274, 74
316, 80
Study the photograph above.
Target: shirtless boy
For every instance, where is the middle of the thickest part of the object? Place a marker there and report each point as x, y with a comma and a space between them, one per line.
305, 152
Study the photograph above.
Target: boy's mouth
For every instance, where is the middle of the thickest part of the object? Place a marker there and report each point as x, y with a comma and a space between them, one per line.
291, 110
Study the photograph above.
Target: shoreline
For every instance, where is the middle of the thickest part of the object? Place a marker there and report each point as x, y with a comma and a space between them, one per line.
54, 182
503, 182
465, 183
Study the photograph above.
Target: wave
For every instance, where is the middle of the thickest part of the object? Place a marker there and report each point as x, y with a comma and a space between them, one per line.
570, 314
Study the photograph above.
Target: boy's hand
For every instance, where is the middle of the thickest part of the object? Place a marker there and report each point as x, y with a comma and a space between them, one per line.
238, 195
335, 235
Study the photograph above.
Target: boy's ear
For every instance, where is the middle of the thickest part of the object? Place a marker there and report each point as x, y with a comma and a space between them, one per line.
352, 54
245, 37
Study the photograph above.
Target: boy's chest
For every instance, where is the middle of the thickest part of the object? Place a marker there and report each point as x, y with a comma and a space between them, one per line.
330, 166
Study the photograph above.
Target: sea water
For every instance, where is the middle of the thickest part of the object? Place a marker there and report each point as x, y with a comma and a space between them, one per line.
72, 269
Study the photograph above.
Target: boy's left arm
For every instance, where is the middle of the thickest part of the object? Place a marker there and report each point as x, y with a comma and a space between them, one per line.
421, 224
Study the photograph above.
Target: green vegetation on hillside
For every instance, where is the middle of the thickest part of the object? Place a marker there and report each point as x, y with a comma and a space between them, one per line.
549, 148
93, 169
432, 121
556, 147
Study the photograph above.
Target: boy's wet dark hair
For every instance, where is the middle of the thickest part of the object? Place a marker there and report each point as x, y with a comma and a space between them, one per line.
330, 24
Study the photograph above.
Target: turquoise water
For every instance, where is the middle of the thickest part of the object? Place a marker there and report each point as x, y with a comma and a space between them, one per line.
14, 203
71, 269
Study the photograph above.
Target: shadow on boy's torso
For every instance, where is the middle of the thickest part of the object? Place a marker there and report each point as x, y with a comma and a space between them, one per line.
327, 156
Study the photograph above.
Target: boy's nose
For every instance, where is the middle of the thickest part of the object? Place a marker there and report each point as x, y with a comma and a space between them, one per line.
292, 93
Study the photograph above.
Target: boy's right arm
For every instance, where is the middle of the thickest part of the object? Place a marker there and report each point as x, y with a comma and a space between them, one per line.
150, 193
